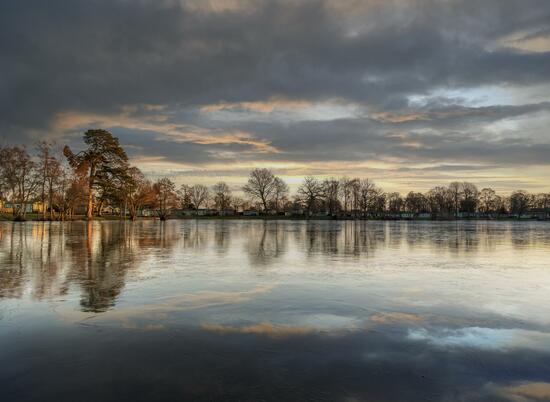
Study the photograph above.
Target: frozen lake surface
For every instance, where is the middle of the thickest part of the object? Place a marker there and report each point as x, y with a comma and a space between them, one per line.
275, 311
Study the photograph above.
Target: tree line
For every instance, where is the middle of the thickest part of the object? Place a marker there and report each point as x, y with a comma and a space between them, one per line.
100, 178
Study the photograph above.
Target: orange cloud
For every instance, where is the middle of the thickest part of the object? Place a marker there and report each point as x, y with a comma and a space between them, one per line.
536, 41
221, 6
387, 117
258, 106
70, 120
525, 391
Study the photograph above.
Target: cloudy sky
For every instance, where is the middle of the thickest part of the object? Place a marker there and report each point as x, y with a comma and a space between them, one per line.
411, 93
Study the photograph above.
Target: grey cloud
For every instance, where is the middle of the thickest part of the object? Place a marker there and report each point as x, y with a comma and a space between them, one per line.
98, 55
451, 135
103, 56
351, 140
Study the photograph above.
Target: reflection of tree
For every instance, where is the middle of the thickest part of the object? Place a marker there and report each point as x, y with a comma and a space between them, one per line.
350, 238
221, 237
11, 269
46, 259
50, 256
99, 263
266, 241
48, 274
107, 259
454, 237
195, 235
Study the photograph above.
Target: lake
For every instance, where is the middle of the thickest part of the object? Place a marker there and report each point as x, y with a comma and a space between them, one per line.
251, 310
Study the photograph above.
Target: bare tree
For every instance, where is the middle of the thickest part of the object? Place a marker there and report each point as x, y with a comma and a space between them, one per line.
165, 197
54, 176
222, 195
138, 192
238, 203
19, 177
543, 202
368, 194
311, 193
198, 195
456, 192
347, 186
44, 158
470, 198
487, 200
376, 200
61, 195
416, 203
75, 194
331, 190
442, 201
184, 194
280, 192
519, 202
261, 186
395, 202
500, 205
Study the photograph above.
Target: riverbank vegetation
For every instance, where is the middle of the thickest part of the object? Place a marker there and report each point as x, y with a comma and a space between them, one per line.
99, 180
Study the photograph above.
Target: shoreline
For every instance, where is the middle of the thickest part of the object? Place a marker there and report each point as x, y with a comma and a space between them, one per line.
110, 218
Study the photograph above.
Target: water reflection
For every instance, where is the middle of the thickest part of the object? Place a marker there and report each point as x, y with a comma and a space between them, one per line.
275, 310
47, 258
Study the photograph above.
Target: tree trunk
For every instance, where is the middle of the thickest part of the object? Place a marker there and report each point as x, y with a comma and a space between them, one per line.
50, 201
100, 208
90, 207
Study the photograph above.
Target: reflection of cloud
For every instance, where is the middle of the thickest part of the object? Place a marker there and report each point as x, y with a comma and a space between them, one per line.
154, 327
331, 322
314, 323
263, 328
186, 302
485, 338
525, 391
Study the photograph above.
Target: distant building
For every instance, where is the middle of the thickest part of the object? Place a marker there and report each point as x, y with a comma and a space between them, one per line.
110, 210
320, 214
36, 207
251, 212
295, 212
197, 212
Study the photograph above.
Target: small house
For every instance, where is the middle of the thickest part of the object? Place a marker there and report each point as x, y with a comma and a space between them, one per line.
251, 212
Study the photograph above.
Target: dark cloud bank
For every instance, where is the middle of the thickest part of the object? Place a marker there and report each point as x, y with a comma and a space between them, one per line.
418, 81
